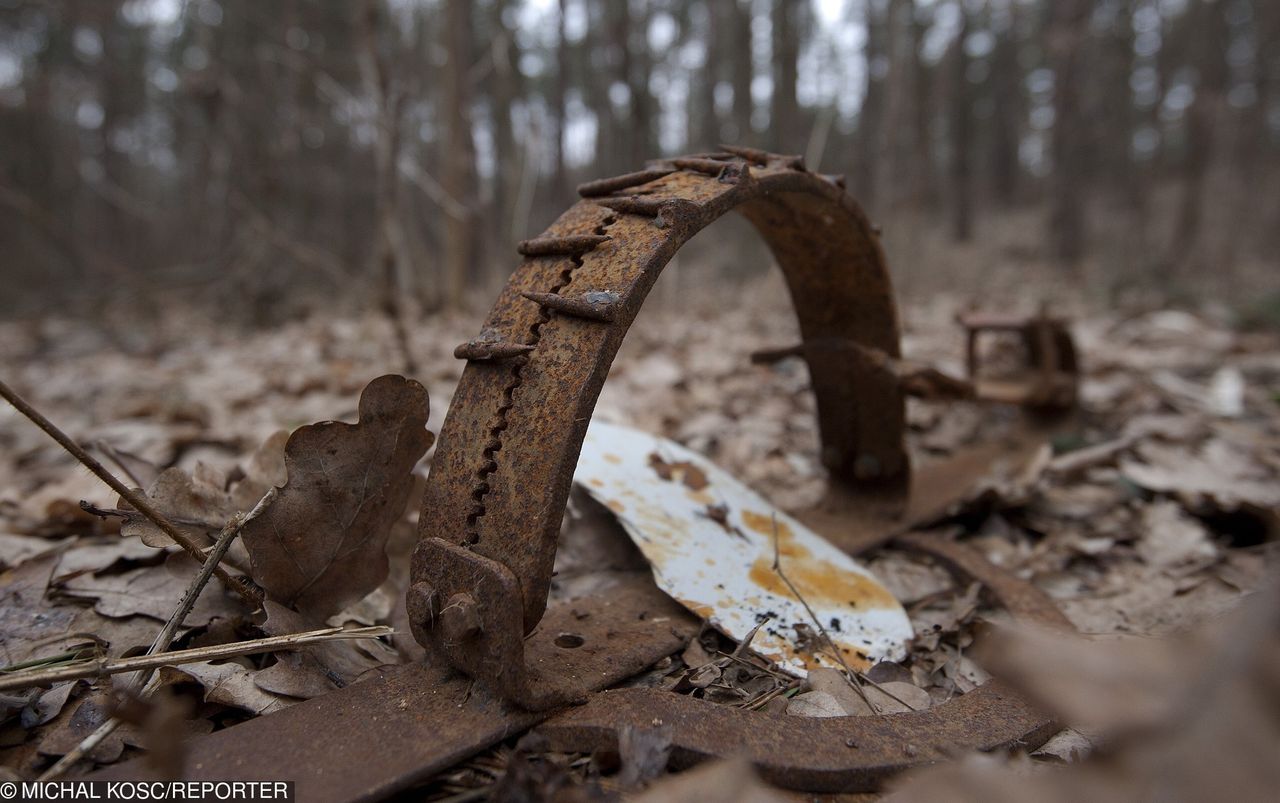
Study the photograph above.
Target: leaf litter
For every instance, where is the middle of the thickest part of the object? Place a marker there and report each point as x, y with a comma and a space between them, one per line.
1153, 510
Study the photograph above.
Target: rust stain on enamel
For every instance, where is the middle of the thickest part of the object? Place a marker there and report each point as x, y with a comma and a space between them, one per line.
817, 582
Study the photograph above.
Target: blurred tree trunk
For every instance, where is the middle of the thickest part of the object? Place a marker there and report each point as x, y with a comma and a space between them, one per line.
609, 64
504, 86
1067, 27
459, 152
785, 131
1007, 111
637, 63
559, 112
390, 247
870, 116
1208, 58
737, 31
923, 181
961, 134
1255, 157
896, 142
703, 114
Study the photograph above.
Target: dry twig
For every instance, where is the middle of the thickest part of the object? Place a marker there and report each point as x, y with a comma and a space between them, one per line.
137, 500
114, 666
143, 684
855, 680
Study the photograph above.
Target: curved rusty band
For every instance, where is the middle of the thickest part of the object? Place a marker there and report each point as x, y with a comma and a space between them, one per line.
834, 754
508, 448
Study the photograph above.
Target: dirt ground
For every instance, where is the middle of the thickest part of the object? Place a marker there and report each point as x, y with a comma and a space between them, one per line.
1148, 512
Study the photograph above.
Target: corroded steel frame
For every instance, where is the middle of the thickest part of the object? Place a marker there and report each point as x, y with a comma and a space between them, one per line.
507, 450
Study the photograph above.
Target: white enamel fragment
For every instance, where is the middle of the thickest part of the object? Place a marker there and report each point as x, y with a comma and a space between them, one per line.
711, 542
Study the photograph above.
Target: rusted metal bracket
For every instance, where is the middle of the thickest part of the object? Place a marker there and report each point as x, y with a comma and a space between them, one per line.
507, 450
1051, 378
379, 736
823, 754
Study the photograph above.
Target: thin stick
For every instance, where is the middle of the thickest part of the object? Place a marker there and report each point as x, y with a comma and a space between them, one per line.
165, 638
855, 679
115, 666
143, 683
115, 457
777, 568
138, 501
92, 740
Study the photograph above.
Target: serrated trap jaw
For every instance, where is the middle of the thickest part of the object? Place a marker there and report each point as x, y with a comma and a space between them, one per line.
501, 476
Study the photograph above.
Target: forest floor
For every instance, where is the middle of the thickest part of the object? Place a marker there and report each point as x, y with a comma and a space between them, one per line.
1151, 511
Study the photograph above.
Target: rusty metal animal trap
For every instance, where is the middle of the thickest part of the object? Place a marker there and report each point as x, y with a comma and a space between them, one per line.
502, 473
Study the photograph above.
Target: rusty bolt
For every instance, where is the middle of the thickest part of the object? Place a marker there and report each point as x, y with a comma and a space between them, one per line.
423, 604
461, 619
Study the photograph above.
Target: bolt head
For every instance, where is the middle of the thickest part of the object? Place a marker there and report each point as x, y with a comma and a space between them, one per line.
460, 619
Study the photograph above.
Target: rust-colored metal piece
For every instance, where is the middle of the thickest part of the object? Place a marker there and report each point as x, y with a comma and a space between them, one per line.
571, 245
507, 450
379, 736
490, 348
597, 305
823, 754
834, 754
608, 186
1051, 379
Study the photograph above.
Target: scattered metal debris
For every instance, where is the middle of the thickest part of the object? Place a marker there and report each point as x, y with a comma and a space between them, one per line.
503, 470
1050, 378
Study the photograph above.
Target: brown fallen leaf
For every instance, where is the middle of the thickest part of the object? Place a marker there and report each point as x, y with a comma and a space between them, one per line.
200, 503
1173, 540
14, 549
232, 684
295, 674
816, 704
322, 545
265, 469
48, 704
27, 621
195, 503
71, 727
1219, 474
644, 753
343, 660
151, 591
99, 555
1185, 719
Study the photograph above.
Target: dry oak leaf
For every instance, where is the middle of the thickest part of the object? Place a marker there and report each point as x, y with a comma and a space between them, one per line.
200, 503
322, 544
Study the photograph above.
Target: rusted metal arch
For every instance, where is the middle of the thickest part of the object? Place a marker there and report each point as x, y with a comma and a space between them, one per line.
507, 450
